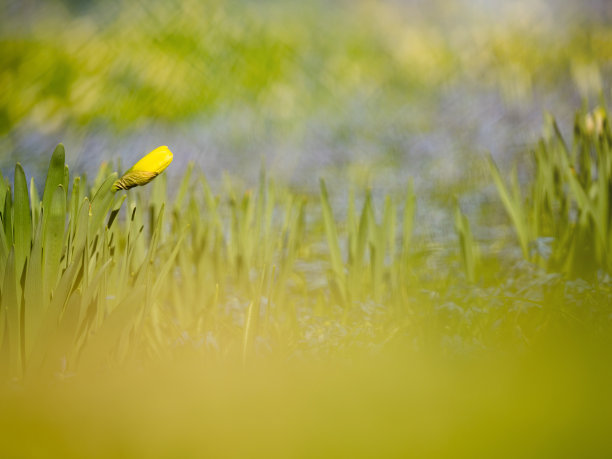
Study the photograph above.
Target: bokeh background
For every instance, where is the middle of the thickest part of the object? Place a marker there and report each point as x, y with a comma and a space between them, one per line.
362, 91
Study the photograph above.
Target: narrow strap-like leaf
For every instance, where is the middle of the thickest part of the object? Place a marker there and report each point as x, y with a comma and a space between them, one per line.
23, 220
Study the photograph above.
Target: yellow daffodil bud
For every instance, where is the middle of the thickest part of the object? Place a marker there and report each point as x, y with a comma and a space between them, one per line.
594, 122
145, 170
600, 119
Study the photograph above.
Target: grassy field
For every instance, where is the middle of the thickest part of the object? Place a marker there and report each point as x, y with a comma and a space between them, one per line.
354, 293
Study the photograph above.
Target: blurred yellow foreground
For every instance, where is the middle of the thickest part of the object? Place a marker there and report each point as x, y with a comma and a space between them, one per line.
390, 406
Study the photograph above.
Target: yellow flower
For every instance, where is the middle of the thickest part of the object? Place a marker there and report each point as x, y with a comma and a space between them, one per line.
145, 170
594, 122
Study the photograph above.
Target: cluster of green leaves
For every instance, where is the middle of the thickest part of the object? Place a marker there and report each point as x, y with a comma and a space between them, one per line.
563, 221
72, 278
375, 267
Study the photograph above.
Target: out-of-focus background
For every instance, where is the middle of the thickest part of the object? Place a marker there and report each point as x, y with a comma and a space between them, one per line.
366, 91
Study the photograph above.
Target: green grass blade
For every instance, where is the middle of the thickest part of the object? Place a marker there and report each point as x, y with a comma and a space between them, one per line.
35, 204
35, 303
513, 208
363, 232
4, 189
23, 220
469, 249
331, 233
408, 220
53, 239
4, 251
55, 177
8, 218
179, 202
101, 204
12, 309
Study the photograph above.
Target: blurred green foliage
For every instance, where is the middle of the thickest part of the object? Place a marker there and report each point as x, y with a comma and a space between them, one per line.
246, 275
564, 221
128, 62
